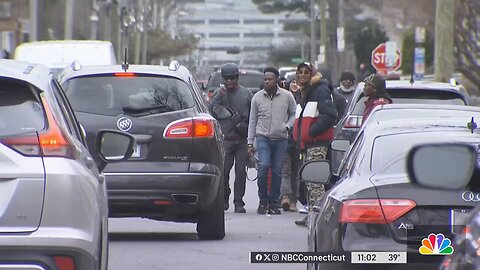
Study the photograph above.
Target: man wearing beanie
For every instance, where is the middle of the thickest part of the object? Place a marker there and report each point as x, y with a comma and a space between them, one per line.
346, 86
374, 89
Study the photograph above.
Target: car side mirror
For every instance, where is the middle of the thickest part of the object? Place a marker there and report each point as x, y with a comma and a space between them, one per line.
340, 145
113, 146
443, 166
317, 172
221, 112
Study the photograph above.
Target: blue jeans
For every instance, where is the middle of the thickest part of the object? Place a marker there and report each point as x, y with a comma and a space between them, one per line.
271, 153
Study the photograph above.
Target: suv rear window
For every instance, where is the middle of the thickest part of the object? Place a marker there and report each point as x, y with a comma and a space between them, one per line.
20, 110
415, 96
110, 95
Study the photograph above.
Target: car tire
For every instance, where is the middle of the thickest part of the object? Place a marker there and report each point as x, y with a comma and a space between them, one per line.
211, 224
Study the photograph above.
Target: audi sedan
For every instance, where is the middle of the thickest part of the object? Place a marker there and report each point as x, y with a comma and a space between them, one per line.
53, 201
175, 171
373, 206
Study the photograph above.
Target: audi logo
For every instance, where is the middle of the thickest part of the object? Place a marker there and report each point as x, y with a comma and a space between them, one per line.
124, 124
469, 196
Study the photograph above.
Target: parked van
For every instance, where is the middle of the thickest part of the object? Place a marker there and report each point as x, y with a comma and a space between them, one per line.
57, 54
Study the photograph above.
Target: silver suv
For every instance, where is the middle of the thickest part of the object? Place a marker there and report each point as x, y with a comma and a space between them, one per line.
53, 203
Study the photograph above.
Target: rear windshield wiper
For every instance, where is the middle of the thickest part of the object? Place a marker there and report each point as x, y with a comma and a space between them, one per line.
140, 110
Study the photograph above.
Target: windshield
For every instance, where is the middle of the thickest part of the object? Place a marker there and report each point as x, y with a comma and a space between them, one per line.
109, 95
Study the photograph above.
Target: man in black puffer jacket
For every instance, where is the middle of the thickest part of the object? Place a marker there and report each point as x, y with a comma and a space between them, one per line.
315, 116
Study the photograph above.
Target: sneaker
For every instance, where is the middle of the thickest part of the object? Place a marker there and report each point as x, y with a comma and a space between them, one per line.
240, 209
274, 211
262, 209
304, 210
302, 222
285, 203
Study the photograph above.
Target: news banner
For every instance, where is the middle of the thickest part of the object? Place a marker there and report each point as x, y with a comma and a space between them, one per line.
329, 257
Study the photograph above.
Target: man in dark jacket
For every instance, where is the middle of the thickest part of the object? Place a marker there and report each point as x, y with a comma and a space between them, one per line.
237, 98
315, 116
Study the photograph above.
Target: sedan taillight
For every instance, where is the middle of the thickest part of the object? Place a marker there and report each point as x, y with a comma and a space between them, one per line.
190, 128
374, 211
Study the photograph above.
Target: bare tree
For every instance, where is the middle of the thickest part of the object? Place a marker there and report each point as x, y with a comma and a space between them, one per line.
467, 40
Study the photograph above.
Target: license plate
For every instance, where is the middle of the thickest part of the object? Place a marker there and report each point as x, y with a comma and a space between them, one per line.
459, 218
136, 151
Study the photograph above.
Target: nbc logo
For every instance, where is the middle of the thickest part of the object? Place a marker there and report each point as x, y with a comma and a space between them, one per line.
436, 244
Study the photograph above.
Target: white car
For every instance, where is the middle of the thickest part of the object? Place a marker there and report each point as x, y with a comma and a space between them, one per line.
53, 200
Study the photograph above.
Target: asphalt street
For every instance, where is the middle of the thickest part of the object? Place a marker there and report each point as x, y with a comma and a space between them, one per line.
137, 243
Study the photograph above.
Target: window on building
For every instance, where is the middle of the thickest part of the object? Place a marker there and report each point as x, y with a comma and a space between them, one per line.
222, 21
258, 35
224, 35
5, 9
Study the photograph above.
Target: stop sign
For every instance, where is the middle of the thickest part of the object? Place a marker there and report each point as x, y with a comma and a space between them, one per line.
379, 59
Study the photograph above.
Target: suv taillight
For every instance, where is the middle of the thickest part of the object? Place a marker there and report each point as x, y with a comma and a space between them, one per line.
190, 128
353, 121
374, 211
51, 142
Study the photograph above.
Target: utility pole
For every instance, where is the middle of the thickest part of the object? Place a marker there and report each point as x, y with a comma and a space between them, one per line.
444, 35
323, 33
33, 20
69, 12
139, 28
312, 31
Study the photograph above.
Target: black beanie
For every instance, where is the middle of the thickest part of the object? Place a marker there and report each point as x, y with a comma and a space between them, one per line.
347, 76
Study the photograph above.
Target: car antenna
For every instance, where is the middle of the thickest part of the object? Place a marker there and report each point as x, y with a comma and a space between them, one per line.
125, 62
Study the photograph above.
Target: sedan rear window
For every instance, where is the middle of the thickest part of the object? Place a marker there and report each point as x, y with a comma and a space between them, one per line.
415, 96
20, 110
110, 95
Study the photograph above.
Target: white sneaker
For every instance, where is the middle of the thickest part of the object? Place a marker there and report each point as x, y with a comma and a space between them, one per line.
304, 210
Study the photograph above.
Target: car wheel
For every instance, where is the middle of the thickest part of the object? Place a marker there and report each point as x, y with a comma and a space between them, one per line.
211, 224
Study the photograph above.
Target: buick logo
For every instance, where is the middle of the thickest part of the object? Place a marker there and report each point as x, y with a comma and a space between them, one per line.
124, 124
469, 196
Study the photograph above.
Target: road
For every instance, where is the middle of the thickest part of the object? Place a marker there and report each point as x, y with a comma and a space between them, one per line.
153, 245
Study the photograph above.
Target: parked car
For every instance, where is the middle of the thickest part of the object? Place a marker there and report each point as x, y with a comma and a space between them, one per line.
175, 172
250, 79
401, 92
408, 111
57, 54
53, 198
372, 205
458, 175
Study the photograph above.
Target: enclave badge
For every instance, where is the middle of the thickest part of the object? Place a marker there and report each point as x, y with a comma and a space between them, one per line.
124, 124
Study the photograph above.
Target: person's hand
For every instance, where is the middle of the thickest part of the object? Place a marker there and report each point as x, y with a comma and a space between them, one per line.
250, 150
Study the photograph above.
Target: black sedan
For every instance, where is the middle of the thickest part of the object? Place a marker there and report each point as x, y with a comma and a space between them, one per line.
175, 172
373, 206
